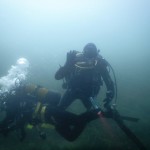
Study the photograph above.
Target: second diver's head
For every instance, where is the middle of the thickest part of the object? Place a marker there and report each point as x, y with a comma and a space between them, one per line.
90, 50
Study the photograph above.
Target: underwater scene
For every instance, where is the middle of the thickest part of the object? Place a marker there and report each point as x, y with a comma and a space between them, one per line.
45, 104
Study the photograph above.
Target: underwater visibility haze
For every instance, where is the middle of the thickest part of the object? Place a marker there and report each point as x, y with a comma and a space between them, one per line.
41, 32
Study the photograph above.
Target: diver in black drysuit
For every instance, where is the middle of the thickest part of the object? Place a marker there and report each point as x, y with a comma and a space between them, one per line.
84, 73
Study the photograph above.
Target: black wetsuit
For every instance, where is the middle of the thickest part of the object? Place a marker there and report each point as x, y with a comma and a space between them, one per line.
84, 78
67, 124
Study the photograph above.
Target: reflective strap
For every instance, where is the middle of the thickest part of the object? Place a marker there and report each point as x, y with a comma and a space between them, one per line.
37, 109
39, 112
84, 65
42, 114
29, 126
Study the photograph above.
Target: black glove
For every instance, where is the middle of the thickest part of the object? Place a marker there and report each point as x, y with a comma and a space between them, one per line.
70, 58
107, 103
63, 71
110, 94
108, 99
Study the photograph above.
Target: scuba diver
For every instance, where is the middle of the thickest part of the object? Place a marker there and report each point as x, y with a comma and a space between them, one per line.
83, 75
36, 105
27, 104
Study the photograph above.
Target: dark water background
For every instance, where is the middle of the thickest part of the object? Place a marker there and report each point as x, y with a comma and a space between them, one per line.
44, 30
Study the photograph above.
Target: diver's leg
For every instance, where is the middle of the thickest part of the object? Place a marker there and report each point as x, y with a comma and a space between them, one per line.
71, 132
67, 99
71, 128
86, 102
55, 115
67, 124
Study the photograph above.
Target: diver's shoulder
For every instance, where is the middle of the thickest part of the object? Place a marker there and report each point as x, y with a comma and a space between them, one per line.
102, 60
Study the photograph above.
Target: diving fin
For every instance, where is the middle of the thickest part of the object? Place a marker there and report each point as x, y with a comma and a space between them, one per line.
130, 118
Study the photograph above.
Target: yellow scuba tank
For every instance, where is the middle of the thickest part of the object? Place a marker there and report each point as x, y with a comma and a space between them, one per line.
39, 111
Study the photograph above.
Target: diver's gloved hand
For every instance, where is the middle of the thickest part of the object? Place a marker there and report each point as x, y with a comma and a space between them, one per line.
107, 104
107, 100
70, 58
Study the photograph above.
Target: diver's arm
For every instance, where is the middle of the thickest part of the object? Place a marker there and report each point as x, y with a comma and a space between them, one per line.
66, 69
108, 81
61, 73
